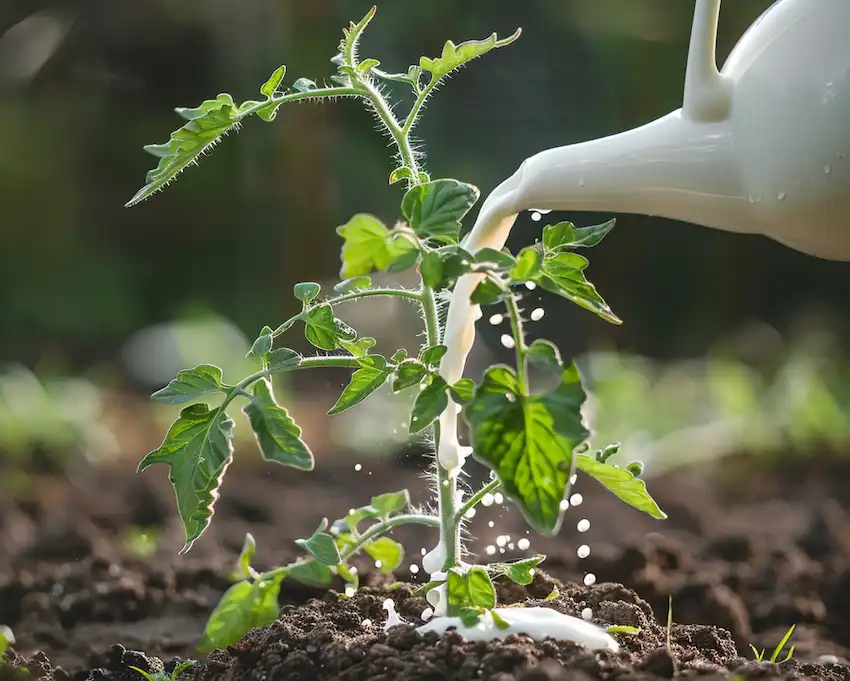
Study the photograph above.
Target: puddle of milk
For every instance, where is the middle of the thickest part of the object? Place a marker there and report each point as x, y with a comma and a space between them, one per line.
538, 623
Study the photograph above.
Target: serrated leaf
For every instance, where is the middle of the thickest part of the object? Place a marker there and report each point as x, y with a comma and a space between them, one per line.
204, 379
622, 484
263, 345
353, 284
271, 85
432, 356
371, 375
565, 235
410, 372
527, 266
390, 553
370, 246
359, 347
500, 259
311, 573
487, 293
321, 545
545, 355
392, 502
563, 275
198, 448
283, 359
243, 606
243, 563
435, 209
278, 436
454, 56
324, 330
518, 571
463, 391
306, 291
206, 125
429, 404
528, 441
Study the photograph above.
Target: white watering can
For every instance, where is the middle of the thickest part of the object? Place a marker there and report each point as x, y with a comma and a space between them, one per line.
762, 146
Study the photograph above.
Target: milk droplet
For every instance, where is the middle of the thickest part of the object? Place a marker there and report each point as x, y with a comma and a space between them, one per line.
497, 319
487, 499
490, 550
523, 544
564, 505
498, 498
349, 591
358, 467
542, 211
511, 546
491, 524
587, 614
427, 614
378, 564
573, 479
827, 168
501, 540
536, 216
414, 569
781, 196
537, 314
470, 513
583, 525
576, 499
583, 551
366, 623
350, 511
581, 183
530, 285
508, 341
423, 551
589, 579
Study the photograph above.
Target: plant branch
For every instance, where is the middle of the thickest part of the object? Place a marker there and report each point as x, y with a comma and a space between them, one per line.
317, 93
519, 342
473, 501
410, 121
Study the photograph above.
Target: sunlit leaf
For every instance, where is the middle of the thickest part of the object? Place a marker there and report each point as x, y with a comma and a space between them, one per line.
310, 572
391, 502
306, 291
518, 571
429, 404
563, 275
410, 372
278, 436
190, 384
543, 354
621, 483
435, 209
263, 345
371, 375
324, 330
321, 545
454, 56
244, 606
197, 449
283, 359
390, 553
243, 563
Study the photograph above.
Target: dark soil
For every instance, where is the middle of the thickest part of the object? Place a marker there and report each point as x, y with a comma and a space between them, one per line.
746, 553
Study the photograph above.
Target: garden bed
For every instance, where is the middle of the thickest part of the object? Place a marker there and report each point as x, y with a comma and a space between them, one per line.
744, 555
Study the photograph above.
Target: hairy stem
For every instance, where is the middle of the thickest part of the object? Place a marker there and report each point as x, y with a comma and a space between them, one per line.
476, 498
519, 343
372, 533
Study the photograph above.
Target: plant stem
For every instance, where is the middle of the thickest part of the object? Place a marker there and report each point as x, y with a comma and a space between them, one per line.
519, 343
385, 113
354, 295
473, 501
410, 121
374, 531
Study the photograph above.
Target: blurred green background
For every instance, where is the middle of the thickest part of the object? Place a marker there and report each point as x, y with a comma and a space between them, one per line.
108, 301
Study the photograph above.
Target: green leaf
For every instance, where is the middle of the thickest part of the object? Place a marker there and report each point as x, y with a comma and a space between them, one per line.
563, 275
409, 372
371, 375
359, 347
311, 573
245, 605
553, 594
456, 55
321, 545
566, 235
518, 571
429, 404
304, 85
481, 591
623, 629
243, 563
622, 484
392, 502
469, 617
324, 330
7, 638
353, 284
350, 576
463, 391
190, 384
500, 259
528, 265
197, 448
529, 440
401, 173
370, 246
433, 355
263, 345
182, 667
306, 291
278, 436
498, 620
269, 88
283, 359
435, 209
390, 553
351, 38
207, 124
431, 269
545, 355
487, 293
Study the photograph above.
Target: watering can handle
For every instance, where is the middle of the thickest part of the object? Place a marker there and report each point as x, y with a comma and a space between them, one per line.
708, 94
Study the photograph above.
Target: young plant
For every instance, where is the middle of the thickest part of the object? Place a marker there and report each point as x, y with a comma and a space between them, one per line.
531, 441
163, 676
760, 655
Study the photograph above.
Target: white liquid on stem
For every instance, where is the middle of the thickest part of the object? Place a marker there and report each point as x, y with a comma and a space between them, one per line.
393, 618
538, 623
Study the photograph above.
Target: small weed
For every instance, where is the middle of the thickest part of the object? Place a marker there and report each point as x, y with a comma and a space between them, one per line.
760, 655
163, 676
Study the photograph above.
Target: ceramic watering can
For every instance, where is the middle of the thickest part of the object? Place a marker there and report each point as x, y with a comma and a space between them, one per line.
762, 146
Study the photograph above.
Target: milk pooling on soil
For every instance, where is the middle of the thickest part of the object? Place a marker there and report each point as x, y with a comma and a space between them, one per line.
491, 230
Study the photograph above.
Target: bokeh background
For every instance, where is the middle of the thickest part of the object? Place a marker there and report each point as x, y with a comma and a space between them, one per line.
730, 342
